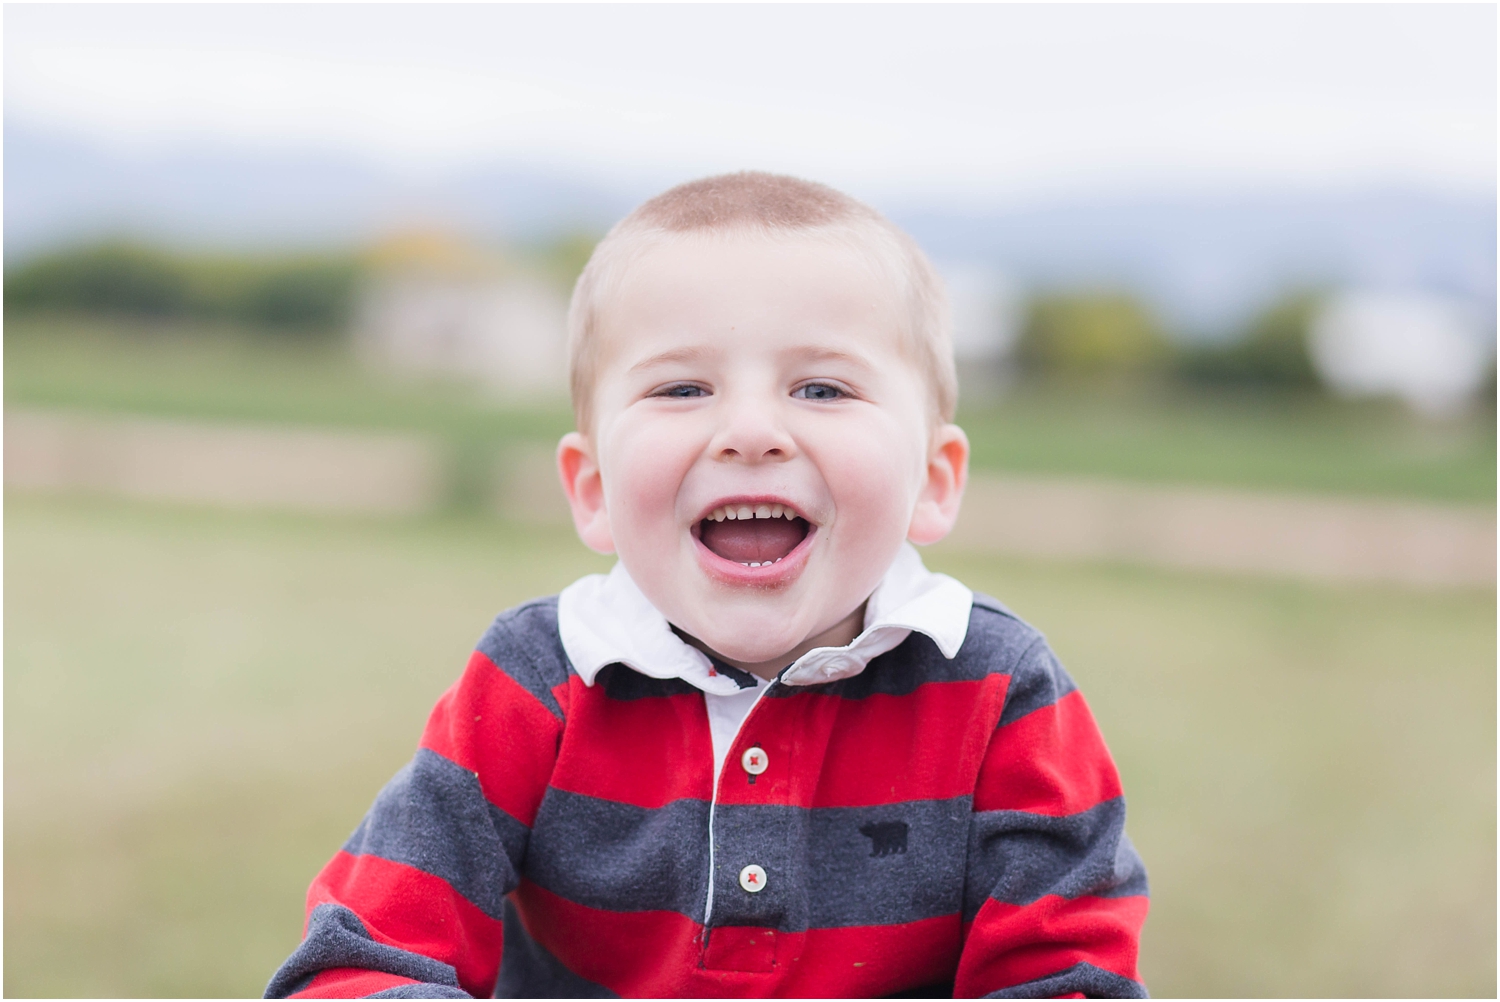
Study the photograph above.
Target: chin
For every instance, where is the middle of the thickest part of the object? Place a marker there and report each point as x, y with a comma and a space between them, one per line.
751, 646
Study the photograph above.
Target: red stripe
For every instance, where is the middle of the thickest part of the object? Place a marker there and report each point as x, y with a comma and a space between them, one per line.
925, 745
659, 954
489, 724
1052, 761
646, 752
871, 961
649, 953
1011, 944
407, 908
349, 983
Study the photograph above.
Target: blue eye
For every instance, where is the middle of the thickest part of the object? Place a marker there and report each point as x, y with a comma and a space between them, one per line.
818, 391
682, 391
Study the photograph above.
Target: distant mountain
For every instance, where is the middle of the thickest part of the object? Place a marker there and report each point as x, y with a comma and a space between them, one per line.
1207, 260
1204, 260
59, 191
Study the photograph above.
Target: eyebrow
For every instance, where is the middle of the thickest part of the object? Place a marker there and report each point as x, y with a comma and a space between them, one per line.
817, 354
670, 355
695, 353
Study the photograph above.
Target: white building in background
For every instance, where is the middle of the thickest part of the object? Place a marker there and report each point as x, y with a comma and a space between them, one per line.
1430, 351
437, 307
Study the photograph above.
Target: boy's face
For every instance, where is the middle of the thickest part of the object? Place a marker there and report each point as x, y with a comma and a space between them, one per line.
760, 377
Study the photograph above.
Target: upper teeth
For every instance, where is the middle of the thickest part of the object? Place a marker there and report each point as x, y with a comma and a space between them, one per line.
733, 511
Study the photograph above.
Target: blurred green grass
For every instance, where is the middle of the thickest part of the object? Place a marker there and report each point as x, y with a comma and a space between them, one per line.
1235, 437
1157, 432
199, 707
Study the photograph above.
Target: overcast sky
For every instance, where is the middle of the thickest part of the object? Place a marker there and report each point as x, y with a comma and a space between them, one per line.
993, 100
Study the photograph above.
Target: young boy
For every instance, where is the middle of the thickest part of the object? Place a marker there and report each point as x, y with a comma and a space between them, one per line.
769, 754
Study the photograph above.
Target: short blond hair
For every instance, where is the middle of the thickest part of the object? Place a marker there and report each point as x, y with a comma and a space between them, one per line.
773, 205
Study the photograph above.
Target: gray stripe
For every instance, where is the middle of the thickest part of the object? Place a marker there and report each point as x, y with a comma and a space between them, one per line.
841, 866
620, 857
523, 642
421, 992
853, 885
829, 867
1085, 979
434, 817
337, 938
1018, 857
528, 970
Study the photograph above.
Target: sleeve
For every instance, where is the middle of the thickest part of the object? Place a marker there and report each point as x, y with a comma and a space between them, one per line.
1055, 895
411, 906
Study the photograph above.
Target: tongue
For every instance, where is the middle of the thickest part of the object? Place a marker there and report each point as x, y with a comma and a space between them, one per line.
753, 540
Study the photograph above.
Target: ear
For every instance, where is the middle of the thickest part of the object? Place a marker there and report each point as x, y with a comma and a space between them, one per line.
943, 490
584, 485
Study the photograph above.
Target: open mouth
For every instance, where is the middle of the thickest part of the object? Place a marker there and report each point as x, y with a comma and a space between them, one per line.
755, 535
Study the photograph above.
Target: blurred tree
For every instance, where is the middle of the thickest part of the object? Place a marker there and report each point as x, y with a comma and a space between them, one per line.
112, 277
301, 293
311, 294
565, 257
1271, 351
1098, 332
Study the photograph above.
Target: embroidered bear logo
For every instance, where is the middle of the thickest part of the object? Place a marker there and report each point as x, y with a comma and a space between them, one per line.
887, 838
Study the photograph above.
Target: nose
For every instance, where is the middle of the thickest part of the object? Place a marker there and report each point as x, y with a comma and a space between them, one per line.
750, 432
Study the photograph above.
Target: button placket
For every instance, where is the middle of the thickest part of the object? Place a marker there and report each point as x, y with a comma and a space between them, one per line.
746, 859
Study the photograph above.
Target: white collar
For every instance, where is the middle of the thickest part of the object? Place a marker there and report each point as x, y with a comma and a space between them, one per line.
606, 619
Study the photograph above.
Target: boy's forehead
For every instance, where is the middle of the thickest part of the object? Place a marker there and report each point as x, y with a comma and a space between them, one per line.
708, 285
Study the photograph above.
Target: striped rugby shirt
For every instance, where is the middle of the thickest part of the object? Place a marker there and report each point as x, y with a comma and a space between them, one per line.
597, 809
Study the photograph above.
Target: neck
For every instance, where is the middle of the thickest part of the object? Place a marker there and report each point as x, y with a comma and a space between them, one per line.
840, 634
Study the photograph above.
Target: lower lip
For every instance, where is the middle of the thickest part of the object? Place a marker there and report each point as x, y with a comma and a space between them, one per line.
780, 572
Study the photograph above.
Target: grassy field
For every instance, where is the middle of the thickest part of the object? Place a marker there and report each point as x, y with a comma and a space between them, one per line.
1163, 433
199, 707
1235, 438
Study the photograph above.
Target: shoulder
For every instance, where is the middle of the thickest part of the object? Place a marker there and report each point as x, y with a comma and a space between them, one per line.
997, 643
1000, 642
528, 622
997, 637
523, 644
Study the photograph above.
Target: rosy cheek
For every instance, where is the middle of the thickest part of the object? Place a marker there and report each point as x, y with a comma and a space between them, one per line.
874, 466
644, 467
871, 477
